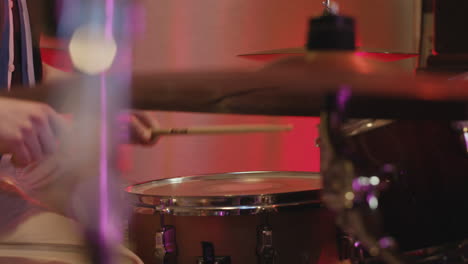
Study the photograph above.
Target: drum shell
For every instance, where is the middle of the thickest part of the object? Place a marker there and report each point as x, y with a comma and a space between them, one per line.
300, 235
425, 202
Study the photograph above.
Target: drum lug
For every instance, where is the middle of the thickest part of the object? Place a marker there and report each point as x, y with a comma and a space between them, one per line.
265, 199
265, 251
350, 249
209, 255
165, 244
265, 210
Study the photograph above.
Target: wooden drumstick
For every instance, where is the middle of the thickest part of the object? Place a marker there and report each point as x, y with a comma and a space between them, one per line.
226, 129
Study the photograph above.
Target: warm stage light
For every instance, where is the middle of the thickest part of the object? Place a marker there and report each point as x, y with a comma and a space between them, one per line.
91, 51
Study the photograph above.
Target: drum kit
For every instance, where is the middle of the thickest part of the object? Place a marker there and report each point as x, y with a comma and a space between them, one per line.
394, 163
231, 218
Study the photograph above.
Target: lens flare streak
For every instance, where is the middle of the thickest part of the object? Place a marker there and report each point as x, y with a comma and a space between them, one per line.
104, 148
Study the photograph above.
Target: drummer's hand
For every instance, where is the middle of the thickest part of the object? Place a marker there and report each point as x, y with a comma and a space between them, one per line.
141, 125
28, 130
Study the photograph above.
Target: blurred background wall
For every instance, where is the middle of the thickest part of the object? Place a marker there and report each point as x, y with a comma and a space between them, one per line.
193, 35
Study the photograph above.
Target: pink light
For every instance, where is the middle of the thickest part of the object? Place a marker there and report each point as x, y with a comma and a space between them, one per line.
269, 57
109, 18
104, 222
379, 56
385, 56
465, 135
57, 58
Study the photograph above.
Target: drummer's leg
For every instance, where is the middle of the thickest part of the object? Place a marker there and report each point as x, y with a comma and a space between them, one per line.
24, 222
14, 206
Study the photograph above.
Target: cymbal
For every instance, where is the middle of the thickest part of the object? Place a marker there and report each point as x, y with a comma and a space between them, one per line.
269, 55
332, 62
296, 89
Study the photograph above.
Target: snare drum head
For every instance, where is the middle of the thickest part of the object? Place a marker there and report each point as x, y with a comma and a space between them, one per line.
230, 191
231, 184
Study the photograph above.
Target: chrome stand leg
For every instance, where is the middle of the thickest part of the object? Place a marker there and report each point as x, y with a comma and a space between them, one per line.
265, 251
165, 248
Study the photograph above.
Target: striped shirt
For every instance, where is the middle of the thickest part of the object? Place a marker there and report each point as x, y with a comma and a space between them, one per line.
20, 63
19, 53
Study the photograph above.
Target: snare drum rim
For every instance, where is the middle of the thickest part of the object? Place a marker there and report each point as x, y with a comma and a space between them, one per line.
227, 204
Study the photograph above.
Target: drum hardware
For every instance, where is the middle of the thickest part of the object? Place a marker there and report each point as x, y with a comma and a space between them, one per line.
330, 7
357, 126
462, 128
209, 256
266, 209
265, 250
354, 198
350, 249
265, 199
255, 207
217, 260
426, 39
165, 206
165, 249
145, 210
465, 137
351, 190
374, 186
266, 253
449, 253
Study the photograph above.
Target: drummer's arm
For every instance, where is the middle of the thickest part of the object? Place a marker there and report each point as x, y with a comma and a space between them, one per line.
141, 125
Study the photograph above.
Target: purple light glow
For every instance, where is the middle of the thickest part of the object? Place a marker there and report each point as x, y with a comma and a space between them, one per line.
389, 168
103, 162
344, 93
387, 242
465, 135
361, 184
104, 223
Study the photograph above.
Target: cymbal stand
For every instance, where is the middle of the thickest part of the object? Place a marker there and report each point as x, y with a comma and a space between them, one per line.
331, 7
354, 198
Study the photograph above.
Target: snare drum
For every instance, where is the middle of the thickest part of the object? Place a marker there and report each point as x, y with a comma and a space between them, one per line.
245, 217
